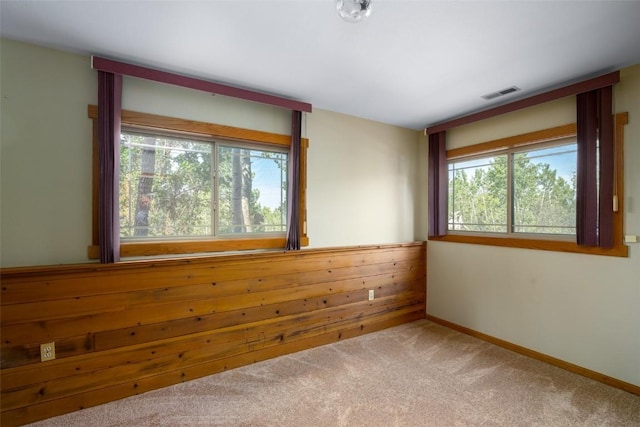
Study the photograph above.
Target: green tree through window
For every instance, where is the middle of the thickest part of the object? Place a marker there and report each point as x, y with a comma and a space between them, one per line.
532, 191
173, 187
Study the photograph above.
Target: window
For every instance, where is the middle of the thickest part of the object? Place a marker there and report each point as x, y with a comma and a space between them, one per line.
173, 187
523, 191
478, 194
197, 187
520, 192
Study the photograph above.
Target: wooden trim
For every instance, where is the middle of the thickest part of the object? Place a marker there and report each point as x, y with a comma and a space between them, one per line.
545, 245
619, 249
574, 89
117, 67
152, 121
596, 376
31, 272
168, 247
620, 120
522, 140
95, 185
302, 206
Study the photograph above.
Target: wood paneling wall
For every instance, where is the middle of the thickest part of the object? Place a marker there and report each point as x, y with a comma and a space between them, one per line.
128, 328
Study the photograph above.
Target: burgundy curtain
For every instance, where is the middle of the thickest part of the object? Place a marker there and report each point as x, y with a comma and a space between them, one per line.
293, 187
109, 106
438, 184
594, 200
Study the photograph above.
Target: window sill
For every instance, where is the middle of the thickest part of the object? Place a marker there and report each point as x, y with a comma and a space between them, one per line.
619, 250
169, 247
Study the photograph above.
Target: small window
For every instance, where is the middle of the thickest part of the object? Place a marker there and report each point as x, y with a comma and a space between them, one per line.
516, 191
174, 187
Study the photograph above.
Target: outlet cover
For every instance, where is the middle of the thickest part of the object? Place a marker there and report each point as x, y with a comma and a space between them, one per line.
47, 351
371, 294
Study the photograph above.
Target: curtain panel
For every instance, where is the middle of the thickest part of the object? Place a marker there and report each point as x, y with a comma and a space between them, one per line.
438, 184
595, 168
293, 188
109, 109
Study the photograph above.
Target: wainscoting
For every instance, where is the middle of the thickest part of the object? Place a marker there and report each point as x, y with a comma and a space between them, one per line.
124, 329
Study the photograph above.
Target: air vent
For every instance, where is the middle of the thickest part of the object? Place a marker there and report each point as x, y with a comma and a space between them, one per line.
501, 92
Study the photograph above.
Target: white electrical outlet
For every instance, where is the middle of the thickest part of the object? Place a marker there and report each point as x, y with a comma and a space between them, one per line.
371, 294
47, 351
629, 238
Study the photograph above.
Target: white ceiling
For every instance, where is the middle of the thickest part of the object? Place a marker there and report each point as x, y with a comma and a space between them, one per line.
411, 63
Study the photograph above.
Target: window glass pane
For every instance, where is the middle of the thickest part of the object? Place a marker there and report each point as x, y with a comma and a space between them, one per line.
544, 190
165, 187
478, 195
252, 188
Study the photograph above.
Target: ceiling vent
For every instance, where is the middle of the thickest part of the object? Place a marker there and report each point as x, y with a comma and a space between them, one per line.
501, 92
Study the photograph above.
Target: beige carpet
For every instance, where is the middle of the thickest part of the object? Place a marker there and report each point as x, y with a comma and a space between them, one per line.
418, 374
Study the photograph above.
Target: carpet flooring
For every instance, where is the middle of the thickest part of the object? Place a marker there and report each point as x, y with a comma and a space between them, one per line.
417, 374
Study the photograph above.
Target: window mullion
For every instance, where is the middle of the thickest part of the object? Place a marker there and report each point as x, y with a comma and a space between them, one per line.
214, 191
510, 193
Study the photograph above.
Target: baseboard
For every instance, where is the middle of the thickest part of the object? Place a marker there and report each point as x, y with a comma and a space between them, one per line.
613, 382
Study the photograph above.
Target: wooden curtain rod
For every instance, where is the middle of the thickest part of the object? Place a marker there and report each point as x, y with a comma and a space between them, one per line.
122, 68
574, 89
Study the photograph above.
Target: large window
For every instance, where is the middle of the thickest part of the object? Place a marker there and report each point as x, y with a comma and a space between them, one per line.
520, 191
189, 187
174, 187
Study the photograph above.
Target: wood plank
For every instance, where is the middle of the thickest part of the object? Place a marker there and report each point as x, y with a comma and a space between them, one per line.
62, 368
75, 306
104, 378
250, 308
305, 303
149, 322
23, 354
79, 325
28, 274
133, 387
41, 373
238, 340
38, 284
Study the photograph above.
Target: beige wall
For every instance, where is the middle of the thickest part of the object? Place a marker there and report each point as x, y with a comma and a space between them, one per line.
367, 184
45, 170
362, 181
584, 309
361, 174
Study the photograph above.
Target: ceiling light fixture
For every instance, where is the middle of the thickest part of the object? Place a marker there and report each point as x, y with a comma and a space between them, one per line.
353, 10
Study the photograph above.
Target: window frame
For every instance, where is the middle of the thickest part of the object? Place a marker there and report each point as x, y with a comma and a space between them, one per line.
542, 242
145, 122
509, 154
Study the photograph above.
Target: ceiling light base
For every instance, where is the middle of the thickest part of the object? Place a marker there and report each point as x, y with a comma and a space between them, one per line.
353, 10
